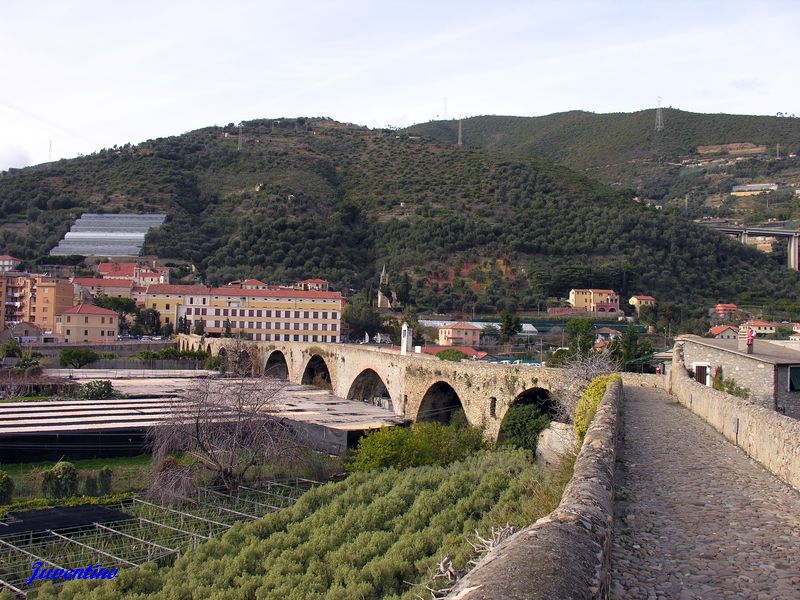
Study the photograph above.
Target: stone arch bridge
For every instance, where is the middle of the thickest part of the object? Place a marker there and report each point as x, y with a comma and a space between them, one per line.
419, 387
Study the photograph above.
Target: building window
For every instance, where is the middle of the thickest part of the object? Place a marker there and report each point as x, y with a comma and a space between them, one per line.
794, 379
305, 338
297, 314
296, 338
313, 338
324, 314
333, 315
268, 313
68, 332
305, 314
85, 332
305, 326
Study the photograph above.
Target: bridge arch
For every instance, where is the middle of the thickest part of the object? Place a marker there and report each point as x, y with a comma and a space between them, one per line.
368, 386
440, 403
208, 349
521, 419
276, 367
317, 373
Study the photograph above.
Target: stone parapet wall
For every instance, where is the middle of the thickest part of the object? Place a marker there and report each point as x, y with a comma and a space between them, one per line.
645, 380
567, 553
767, 436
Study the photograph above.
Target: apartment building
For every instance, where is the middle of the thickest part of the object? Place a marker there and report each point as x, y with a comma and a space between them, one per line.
272, 315
33, 299
594, 300
8, 263
87, 323
639, 302
168, 299
459, 334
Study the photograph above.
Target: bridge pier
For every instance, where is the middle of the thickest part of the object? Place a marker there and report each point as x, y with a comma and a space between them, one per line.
793, 261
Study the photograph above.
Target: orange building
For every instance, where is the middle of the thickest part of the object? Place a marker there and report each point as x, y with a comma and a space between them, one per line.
459, 334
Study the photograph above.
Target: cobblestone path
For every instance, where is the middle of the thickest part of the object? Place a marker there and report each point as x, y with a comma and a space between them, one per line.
695, 517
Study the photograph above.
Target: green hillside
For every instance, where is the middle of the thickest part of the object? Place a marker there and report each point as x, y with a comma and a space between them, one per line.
318, 198
585, 140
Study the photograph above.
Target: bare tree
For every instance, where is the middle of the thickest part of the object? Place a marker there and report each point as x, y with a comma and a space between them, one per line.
580, 370
228, 426
240, 359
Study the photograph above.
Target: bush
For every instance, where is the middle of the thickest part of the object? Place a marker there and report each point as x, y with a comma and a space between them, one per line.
453, 355
77, 357
60, 481
95, 390
522, 425
107, 355
104, 480
423, 444
6, 488
90, 485
589, 401
214, 363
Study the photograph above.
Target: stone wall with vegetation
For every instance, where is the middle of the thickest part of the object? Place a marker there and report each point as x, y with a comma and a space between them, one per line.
645, 380
769, 437
565, 554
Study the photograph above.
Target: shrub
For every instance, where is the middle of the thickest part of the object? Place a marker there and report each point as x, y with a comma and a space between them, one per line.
452, 354
6, 488
90, 485
214, 363
423, 444
60, 481
104, 480
107, 355
95, 390
522, 425
589, 401
76, 357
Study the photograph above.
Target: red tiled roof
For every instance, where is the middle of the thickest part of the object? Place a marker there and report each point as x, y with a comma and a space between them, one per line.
609, 331
643, 297
106, 283
282, 293
314, 281
169, 288
715, 331
7, 257
720, 306
603, 291
87, 309
760, 323
252, 282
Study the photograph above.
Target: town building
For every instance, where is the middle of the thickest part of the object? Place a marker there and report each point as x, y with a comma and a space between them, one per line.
760, 327
724, 332
168, 298
606, 334
769, 371
594, 300
24, 333
139, 274
725, 311
460, 334
33, 299
262, 315
92, 287
638, 302
8, 263
317, 285
87, 323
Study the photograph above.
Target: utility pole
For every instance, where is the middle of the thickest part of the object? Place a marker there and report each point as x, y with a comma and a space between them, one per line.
239, 146
460, 139
659, 116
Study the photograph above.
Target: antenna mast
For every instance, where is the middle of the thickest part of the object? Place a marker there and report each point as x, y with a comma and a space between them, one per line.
659, 116
50, 152
460, 139
239, 147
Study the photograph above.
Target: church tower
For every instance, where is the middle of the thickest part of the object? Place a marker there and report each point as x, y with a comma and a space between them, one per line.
383, 301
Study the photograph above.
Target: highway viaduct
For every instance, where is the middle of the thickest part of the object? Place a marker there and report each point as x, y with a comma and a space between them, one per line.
742, 234
421, 387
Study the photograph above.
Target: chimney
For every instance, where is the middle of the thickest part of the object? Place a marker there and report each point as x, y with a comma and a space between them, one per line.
745, 340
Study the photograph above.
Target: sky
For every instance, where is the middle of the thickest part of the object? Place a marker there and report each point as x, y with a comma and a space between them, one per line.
82, 75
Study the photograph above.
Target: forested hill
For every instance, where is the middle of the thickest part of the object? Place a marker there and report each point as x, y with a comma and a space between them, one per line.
308, 198
584, 140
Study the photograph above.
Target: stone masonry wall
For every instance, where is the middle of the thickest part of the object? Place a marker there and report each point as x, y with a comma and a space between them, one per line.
755, 375
567, 553
767, 436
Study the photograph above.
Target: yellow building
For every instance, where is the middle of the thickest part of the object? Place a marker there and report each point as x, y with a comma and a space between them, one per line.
34, 299
639, 301
87, 323
168, 299
258, 314
594, 300
112, 287
459, 334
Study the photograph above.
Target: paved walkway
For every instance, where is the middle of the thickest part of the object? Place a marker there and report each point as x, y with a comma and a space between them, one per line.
695, 517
